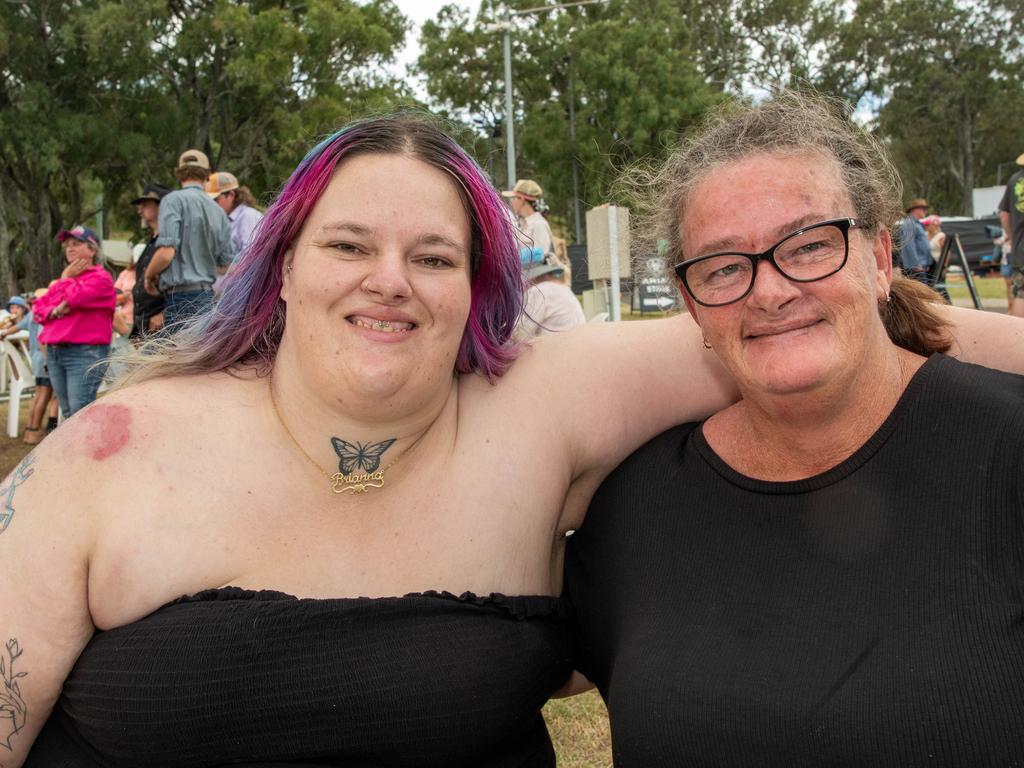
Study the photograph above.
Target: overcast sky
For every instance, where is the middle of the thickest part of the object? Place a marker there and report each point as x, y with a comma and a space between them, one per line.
418, 11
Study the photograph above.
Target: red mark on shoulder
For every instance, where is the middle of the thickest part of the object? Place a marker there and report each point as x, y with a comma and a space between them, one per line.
108, 429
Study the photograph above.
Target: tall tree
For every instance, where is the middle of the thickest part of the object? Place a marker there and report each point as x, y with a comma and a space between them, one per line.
951, 66
940, 80
635, 76
102, 95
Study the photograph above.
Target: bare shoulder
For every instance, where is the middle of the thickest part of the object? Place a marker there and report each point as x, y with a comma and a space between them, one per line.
131, 431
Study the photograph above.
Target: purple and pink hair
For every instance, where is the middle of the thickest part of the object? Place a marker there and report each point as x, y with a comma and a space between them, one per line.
248, 321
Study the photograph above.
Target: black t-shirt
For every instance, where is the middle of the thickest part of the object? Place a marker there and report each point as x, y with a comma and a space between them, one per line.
1013, 204
146, 305
872, 615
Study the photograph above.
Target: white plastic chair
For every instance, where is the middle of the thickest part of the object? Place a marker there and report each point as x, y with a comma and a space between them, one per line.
20, 340
21, 378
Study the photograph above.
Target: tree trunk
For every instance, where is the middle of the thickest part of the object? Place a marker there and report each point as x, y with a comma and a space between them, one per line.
36, 225
965, 134
8, 283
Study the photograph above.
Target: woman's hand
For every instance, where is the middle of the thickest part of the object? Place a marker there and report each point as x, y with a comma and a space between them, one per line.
59, 311
156, 322
75, 268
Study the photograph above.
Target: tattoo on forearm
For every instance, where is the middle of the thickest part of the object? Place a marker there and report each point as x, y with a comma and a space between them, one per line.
16, 478
12, 705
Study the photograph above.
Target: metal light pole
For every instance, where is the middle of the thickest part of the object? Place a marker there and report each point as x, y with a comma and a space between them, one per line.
510, 138
572, 141
505, 26
999, 172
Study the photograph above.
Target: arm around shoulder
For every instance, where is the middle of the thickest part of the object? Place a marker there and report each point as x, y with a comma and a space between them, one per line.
986, 338
613, 386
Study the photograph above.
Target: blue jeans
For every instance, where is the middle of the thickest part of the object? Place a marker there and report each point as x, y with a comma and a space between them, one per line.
182, 306
76, 371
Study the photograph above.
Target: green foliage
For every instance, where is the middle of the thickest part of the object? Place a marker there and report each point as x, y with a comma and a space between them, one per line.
100, 96
104, 94
954, 87
940, 80
635, 79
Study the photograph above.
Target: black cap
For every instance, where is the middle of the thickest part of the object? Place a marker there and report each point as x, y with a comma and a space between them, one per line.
151, 192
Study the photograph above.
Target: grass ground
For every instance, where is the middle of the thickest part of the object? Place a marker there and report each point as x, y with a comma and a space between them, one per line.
987, 287
12, 450
579, 730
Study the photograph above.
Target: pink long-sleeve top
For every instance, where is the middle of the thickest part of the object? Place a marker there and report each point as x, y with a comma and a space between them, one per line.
90, 318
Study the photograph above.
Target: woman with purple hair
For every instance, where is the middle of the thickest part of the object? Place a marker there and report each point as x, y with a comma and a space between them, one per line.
343, 538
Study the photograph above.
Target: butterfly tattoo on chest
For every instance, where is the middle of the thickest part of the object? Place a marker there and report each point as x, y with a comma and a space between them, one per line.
354, 457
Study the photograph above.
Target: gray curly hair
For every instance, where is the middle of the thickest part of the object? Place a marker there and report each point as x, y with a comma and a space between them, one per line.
792, 122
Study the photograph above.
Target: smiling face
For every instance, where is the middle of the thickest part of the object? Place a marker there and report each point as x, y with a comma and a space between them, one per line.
786, 337
377, 284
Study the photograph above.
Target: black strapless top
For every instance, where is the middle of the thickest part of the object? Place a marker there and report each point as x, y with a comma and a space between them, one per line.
243, 678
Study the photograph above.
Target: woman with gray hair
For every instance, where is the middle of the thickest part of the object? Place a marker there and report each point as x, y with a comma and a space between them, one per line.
828, 572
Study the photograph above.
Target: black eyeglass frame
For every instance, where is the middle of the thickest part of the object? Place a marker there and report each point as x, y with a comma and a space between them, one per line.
844, 225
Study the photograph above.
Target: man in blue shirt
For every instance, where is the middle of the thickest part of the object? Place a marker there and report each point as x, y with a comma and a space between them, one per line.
194, 244
915, 255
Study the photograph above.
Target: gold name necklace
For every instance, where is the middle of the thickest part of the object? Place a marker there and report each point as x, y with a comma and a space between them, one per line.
365, 457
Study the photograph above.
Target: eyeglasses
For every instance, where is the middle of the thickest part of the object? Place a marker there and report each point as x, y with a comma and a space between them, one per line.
811, 253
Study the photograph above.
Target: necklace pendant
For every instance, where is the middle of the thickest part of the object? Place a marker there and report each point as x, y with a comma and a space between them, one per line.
357, 483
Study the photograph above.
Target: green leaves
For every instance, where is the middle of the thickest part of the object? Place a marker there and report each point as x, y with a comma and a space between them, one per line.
940, 79
635, 76
102, 95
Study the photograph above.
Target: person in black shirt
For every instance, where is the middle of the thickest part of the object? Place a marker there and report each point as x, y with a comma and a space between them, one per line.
831, 571
149, 309
1011, 217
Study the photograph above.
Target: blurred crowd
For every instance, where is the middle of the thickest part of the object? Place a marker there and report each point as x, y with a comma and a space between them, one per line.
68, 330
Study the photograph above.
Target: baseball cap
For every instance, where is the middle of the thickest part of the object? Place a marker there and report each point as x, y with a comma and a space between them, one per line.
220, 182
80, 233
194, 157
540, 268
527, 188
151, 192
